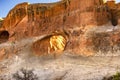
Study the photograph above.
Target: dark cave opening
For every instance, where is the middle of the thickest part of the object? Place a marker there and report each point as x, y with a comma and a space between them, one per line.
4, 36
114, 22
114, 19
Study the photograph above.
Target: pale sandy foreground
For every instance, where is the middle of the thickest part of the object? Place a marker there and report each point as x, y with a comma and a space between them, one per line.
65, 67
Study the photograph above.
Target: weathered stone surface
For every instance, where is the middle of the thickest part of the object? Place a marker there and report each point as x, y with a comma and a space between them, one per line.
39, 19
1, 22
74, 17
105, 41
2, 53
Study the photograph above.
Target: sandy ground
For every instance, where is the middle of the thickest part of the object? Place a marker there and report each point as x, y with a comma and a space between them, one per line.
66, 67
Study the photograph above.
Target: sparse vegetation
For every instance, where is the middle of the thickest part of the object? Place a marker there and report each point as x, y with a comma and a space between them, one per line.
24, 74
113, 77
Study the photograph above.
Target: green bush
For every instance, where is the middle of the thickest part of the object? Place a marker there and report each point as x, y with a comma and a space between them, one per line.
113, 77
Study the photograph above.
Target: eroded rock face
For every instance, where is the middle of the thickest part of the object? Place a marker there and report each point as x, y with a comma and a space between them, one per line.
2, 53
15, 16
105, 41
28, 20
76, 18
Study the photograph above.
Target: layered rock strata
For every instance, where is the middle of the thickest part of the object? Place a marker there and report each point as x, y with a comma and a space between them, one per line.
74, 18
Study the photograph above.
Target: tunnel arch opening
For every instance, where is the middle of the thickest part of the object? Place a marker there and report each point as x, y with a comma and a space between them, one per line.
4, 36
52, 44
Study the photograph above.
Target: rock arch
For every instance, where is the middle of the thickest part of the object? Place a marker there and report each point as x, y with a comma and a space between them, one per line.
52, 44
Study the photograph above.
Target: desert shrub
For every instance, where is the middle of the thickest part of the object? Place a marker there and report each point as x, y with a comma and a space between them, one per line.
24, 74
113, 77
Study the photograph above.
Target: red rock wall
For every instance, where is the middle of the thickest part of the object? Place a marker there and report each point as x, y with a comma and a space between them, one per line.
74, 17
117, 12
15, 16
42, 16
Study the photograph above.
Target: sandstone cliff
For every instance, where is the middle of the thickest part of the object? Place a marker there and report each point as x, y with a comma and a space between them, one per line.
53, 39
76, 19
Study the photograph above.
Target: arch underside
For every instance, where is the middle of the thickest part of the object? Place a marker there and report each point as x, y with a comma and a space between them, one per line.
50, 44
